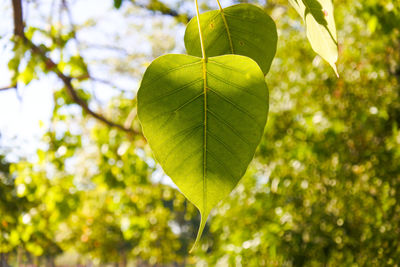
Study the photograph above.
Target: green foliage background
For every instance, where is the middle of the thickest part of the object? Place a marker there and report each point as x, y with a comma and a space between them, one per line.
323, 189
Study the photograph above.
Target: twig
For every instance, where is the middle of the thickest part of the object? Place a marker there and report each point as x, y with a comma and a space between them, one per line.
164, 11
64, 6
100, 80
109, 83
70, 89
52, 66
18, 21
5, 88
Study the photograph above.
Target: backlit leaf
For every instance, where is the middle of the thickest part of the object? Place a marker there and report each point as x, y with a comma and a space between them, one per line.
242, 29
203, 122
320, 26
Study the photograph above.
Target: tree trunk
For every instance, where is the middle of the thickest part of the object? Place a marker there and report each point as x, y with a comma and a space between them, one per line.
19, 256
50, 261
4, 260
123, 259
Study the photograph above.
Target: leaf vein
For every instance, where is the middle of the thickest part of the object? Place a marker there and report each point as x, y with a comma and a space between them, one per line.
185, 140
227, 100
230, 127
169, 71
180, 133
162, 114
154, 100
186, 159
224, 145
223, 165
243, 89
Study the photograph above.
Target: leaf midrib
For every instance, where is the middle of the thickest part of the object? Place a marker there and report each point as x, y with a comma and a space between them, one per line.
205, 135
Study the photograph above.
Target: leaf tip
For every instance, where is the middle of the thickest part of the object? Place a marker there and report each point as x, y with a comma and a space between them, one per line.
200, 232
333, 65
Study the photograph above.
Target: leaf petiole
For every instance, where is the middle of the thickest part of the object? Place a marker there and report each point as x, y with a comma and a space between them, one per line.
203, 52
226, 27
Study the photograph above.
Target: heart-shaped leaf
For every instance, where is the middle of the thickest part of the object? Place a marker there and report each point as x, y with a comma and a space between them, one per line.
203, 121
320, 27
242, 29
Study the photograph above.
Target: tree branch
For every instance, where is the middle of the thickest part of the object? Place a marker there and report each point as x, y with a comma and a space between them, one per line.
18, 21
158, 6
5, 88
51, 65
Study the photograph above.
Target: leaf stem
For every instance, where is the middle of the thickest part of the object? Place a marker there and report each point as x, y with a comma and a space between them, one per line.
226, 27
203, 52
219, 4
203, 210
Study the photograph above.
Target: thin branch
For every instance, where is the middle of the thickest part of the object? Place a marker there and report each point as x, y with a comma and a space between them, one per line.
109, 83
64, 6
18, 21
164, 10
52, 66
100, 80
70, 88
5, 88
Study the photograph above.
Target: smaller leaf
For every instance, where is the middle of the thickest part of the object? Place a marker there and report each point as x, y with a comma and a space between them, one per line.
242, 29
320, 26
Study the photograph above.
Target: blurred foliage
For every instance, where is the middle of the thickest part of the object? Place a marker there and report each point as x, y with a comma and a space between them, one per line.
323, 189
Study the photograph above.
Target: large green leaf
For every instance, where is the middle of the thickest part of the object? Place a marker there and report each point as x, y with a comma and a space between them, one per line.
203, 121
320, 26
242, 29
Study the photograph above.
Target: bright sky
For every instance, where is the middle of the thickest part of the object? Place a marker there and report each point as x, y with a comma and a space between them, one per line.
22, 111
